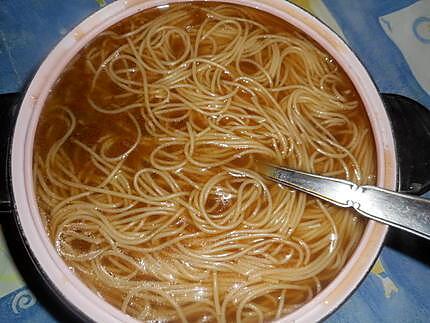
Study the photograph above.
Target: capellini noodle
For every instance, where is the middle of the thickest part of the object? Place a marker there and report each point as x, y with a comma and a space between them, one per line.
146, 165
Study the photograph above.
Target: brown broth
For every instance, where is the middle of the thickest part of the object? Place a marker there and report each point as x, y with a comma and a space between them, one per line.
72, 90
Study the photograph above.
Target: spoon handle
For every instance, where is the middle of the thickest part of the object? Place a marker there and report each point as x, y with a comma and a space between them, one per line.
406, 212
402, 211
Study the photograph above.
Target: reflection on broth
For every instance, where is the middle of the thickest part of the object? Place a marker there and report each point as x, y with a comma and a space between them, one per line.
146, 155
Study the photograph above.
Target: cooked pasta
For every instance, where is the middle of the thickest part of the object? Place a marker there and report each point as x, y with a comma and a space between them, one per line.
146, 159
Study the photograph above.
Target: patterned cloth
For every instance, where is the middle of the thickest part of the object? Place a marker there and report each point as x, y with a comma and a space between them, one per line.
391, 37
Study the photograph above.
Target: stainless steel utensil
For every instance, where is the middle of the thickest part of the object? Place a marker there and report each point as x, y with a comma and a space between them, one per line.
409, 213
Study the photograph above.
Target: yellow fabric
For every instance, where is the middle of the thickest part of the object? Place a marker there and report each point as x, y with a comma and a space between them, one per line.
305, 4
378, 268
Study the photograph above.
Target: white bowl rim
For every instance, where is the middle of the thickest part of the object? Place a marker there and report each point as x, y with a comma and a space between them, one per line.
70, 287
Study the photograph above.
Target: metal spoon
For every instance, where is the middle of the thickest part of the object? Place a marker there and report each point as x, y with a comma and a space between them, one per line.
411, 130
406, 212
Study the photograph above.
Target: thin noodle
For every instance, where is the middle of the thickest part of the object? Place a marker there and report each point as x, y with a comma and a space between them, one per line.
146, 166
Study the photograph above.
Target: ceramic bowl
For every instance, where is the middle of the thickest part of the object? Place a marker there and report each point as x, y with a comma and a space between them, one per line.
56, 272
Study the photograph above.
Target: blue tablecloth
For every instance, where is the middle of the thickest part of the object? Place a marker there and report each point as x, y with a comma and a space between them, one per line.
391, 37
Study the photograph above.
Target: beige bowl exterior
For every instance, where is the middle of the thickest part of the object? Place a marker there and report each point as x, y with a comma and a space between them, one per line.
72, 289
